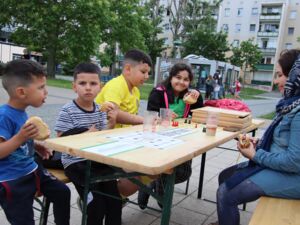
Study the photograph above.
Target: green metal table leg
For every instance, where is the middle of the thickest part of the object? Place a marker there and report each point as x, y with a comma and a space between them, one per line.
86, 191
167, 199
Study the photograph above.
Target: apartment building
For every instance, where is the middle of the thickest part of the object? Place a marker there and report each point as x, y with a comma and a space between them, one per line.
272, 24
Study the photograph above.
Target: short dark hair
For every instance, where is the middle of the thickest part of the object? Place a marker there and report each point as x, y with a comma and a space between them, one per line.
20, 72
286, 60
86, 67
138, 56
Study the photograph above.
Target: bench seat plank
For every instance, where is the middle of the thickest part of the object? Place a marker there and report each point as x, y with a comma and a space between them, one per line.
276, 211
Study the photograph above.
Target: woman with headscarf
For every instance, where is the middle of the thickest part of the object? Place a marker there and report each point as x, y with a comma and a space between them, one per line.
273, 168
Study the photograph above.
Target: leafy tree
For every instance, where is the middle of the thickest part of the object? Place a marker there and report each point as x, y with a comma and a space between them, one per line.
188, 16
177, 11
208, 44
154, 44
125, 30
246, 56
62, 30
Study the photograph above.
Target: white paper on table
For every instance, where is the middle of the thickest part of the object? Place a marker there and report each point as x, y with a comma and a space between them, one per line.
113, 148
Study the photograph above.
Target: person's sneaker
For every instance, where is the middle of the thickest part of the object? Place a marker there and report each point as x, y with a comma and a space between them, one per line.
143, 197
79, 203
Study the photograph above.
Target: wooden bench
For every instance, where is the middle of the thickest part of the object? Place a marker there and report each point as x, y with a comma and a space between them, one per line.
45, 204
276, 211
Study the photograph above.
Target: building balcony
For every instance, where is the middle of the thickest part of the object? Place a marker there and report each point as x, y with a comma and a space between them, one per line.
270, 17
271, 51
267, 34
265, 67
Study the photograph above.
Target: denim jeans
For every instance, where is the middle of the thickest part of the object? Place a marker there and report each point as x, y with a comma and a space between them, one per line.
228, 200
16, 197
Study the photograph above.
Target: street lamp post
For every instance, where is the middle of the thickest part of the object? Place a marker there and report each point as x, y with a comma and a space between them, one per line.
177, 43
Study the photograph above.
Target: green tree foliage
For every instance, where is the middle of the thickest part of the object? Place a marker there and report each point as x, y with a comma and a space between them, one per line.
63, 30
211, 45
246, 56
192, 19
126, 29
154, 44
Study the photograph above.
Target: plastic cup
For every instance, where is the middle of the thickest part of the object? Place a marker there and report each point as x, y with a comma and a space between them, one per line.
211, 123
165, 117
150, 121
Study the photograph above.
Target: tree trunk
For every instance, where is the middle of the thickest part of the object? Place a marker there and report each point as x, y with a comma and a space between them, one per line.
51, 63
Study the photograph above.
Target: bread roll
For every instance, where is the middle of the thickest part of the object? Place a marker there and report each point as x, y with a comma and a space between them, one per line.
189, 99
44, 131
104, 107
244, 141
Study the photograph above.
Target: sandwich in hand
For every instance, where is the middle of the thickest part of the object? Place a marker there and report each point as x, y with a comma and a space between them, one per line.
189, 99
43, 128
244, 140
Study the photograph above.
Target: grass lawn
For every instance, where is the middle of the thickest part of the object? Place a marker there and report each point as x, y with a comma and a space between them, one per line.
145, 90
246, 93
59, 83
268, 116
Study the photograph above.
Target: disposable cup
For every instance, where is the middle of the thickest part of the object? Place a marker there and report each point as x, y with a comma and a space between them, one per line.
211, 123
150, 121
165, 116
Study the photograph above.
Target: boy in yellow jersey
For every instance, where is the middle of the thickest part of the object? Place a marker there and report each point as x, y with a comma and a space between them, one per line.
123, 90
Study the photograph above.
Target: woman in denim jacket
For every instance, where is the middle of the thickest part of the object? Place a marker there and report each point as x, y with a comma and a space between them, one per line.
273, 168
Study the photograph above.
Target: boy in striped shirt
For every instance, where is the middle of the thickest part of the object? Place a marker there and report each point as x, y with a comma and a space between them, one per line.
82, 114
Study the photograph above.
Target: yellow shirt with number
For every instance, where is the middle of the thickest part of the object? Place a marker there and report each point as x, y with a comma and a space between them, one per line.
116, 91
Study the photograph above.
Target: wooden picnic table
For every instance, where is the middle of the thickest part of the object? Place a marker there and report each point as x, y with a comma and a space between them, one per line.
144, 159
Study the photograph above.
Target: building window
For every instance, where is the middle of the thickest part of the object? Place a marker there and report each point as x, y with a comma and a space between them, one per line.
293, 14
252, 27
240, 12
235, 43
288, 45
268, 60
254, 11
238, 28
225, 28
227, 12
291, 30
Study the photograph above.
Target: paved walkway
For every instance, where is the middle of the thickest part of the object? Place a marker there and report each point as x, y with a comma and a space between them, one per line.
187, 209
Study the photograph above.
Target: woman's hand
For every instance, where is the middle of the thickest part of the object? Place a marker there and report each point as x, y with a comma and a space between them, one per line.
247, 152
254, 141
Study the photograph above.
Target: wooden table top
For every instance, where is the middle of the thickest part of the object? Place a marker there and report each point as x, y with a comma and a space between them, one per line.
148, 160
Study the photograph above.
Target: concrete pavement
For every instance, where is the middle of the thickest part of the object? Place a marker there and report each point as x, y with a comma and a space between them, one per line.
187, 209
